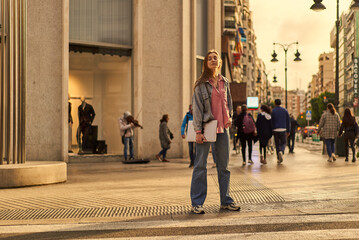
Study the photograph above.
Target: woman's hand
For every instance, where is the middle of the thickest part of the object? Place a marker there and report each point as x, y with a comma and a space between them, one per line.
200, 138
228, 125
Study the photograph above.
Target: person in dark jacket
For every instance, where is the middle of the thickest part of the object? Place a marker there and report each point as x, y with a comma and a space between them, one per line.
165, 140
245, 138
350, 128
291, 139
235, 130
281, 128
264, 131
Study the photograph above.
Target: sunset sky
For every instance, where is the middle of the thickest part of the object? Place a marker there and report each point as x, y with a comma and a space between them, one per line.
287, 21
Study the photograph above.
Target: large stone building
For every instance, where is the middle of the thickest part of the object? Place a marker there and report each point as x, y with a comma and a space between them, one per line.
326, 73
129, 55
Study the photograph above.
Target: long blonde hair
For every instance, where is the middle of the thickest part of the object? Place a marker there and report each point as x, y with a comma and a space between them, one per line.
206, 72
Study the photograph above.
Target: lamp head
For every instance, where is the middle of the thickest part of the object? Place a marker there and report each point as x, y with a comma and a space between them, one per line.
297, 57
274, 57
355, 5
275, 79
317, 6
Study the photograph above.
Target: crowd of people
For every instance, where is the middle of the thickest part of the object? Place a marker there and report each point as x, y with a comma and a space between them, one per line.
212, 101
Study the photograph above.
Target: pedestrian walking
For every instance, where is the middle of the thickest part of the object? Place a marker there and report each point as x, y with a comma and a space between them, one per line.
165, 140
329, 126
350, 129
184, 127
293, 127
281, 128
234, 129
246, 132
264, 131
211, 101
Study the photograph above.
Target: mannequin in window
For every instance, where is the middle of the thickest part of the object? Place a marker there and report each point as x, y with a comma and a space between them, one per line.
86, 116
70, 122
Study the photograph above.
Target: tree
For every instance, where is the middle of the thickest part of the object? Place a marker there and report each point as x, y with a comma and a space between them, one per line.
319, 104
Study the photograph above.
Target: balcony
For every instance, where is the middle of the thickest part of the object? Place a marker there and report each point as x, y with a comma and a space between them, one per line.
230, 25
230, 6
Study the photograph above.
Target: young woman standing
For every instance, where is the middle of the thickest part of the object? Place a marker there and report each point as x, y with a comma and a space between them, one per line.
211, 101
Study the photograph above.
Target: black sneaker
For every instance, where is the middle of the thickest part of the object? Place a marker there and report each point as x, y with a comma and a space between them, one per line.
232, 207
280, 157
353, 159
197, 209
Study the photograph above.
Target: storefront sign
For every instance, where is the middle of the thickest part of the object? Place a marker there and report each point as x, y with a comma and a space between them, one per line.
355, 102
355, 76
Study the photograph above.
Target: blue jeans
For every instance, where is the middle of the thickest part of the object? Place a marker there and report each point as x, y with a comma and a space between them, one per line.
330, 146
280, 139
192, 151
128, 141
163, 152
213, 146
199, 175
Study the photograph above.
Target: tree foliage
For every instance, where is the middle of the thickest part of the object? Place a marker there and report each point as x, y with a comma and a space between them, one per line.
319, 104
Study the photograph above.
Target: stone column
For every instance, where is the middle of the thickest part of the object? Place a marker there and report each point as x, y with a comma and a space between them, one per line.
47, 80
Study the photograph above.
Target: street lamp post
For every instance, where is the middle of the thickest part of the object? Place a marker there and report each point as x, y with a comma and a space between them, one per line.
318, 6
274, 78
285, 47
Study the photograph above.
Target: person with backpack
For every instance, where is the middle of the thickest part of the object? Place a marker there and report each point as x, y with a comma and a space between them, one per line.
264, 131
280, 127
184, 126
350, 129
246, 132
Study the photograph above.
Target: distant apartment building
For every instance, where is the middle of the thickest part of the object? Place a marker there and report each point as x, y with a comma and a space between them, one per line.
348, 50
239, 52
296, 99
278, 93
308, 97
326, 73
314, 86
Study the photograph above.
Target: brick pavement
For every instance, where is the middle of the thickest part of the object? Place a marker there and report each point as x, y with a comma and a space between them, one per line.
304, 184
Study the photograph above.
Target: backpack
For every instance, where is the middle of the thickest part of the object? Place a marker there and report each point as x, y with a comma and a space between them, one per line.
248, 124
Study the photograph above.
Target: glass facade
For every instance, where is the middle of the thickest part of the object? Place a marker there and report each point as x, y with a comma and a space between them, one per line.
101, 21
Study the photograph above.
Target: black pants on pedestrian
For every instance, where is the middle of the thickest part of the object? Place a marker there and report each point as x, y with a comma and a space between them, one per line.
291, 140
264, 148
246, 139
280, 139
348, 140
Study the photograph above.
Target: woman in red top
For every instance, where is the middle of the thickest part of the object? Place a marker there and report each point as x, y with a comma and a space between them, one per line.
211, 101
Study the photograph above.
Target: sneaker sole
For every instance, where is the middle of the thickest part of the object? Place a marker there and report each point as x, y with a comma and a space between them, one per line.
201, 212
231, 209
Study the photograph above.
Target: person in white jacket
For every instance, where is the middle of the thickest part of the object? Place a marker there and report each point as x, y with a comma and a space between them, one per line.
126, 132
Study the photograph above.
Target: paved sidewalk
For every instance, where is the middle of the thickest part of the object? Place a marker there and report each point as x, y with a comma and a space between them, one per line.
105, 192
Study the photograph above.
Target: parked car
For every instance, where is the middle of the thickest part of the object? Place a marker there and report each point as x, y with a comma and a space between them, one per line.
308, 131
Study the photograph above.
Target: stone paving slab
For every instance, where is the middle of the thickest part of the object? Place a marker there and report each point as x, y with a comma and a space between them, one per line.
304, 184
